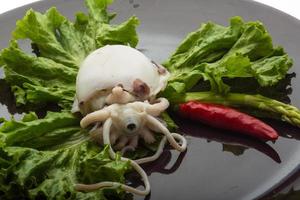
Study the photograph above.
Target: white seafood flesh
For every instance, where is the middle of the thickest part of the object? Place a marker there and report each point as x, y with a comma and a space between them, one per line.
115, 65
116, 92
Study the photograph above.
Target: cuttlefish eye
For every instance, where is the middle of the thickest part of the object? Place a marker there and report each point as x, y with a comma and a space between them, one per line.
131, 121
131, 126
128, 119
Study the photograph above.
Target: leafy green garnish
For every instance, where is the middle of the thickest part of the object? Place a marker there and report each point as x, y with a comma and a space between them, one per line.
214, 52
60, 47
45, 158
225, 57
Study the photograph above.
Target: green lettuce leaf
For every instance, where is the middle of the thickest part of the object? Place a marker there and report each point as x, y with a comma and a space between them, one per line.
97, 10
45, 158
38, 80
59, 46
208, 44
214, 53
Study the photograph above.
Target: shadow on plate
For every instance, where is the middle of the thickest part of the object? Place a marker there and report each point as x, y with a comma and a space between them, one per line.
158, 166
232, 142
7, 98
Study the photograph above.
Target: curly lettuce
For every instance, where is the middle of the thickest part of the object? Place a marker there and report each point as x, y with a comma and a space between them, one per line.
59, 46
214, 53
43, 158
227, 60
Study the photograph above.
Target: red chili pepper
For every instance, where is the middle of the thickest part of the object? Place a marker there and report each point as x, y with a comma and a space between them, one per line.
227, 118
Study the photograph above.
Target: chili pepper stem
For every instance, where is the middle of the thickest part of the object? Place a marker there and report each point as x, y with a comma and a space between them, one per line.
287, 112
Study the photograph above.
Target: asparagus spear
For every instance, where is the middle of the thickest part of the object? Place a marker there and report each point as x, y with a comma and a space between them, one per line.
286, 112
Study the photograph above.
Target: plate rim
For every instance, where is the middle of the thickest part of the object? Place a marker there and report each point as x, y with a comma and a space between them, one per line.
292, 176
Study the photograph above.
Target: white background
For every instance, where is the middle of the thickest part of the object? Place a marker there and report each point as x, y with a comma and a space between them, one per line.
291, 7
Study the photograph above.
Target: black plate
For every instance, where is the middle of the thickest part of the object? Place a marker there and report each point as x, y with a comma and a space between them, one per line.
217, 164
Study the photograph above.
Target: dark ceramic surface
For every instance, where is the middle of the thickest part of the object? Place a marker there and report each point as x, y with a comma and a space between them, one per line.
216, 165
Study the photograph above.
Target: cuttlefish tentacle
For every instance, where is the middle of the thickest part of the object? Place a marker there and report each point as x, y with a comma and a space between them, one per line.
155, 125
97, 134
119, 95
114, 135
101, 115
148, 136
127, 106
139, 161
132, 145
96, 116
123, 140
106, 139
157, 108
152, 124
107, 184
158, 152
